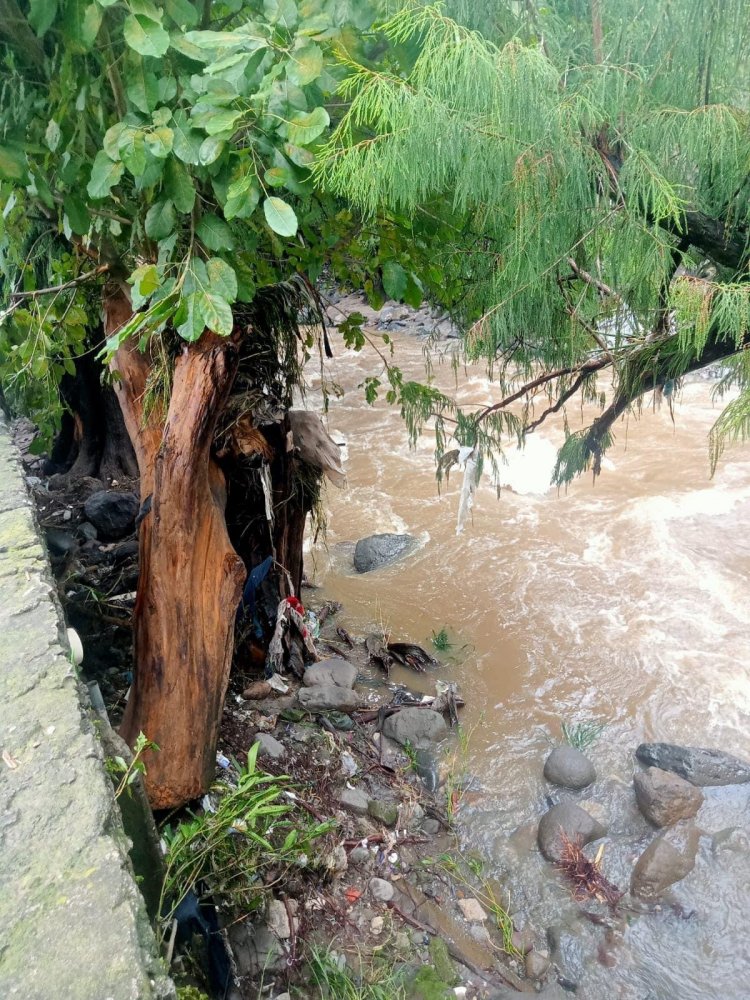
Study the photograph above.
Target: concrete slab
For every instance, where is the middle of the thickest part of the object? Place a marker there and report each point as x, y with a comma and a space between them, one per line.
73, 923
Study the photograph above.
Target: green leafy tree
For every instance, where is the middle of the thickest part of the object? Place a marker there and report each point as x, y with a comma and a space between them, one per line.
157, 206
596, 154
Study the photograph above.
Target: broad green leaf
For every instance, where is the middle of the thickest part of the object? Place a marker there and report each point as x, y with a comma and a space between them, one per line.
216, 312
182, 12
283, 12
179, 42
52, 135
41, 15
210, 150
243, 196
214, 233
304, 128
213, 39
160, 220
189, 320
142, 87
145, 281
394, 279
221, 278
104, 175
280, 216
133, 151
106, 3
159, 141
12, 163
179, 185
227, 62
112, 137
219, 121
299, 156
77, 213
276, 176
413, 294
186, 143
305, 64
145, 36
80, 25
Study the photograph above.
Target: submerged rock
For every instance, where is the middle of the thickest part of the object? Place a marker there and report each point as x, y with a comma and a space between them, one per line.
566, 820
419, 727
664, 798
696, 764
666, 860
112, 513
335, 671
379, 550
569, 767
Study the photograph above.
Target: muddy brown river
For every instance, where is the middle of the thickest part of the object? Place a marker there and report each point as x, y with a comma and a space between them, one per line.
624, 603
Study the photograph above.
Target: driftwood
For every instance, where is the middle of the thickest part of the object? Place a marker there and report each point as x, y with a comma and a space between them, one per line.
411, 655
378, 653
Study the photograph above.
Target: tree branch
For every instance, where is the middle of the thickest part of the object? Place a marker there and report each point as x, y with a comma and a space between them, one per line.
81, 279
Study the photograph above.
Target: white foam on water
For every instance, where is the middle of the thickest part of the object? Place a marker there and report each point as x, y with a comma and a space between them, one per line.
528, 470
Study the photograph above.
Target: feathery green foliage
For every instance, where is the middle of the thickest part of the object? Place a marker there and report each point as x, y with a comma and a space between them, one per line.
589, 186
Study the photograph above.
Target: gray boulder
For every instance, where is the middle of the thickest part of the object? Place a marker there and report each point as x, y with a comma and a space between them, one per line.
566, 820
666, 860
570, 768
112, 513
354, 800
419, 727
379, 550
664, 798
697, 765
334, 671
269, 746
328, 697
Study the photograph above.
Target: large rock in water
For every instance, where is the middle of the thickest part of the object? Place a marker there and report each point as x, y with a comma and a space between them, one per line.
566, 821
664, 798
419, 727
335, 671
380, 550
696, 765
569, 767
113, 514
666, 860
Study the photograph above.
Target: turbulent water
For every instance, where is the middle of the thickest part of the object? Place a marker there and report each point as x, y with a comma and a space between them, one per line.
625, 602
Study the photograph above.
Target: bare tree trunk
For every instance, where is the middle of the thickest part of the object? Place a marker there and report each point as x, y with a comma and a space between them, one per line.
190, 576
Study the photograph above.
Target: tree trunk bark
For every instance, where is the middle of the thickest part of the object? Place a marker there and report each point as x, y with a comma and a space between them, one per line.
190, 576
93, 439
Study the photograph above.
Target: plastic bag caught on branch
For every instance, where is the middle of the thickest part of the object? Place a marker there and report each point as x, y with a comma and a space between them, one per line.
472, 470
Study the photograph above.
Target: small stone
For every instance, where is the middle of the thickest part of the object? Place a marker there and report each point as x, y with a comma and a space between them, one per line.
322, 697
472, 910
354, 800
335, 671
337, 861
664, 798
359, 855
277, 919
384, 812
381, 890
566, 820
523, 940
376, 925
59, 542
112, 513
419, 727
269, 746
402, 942
256, 691
87, 531
537, 965
430, 826
480, 933
569, 767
